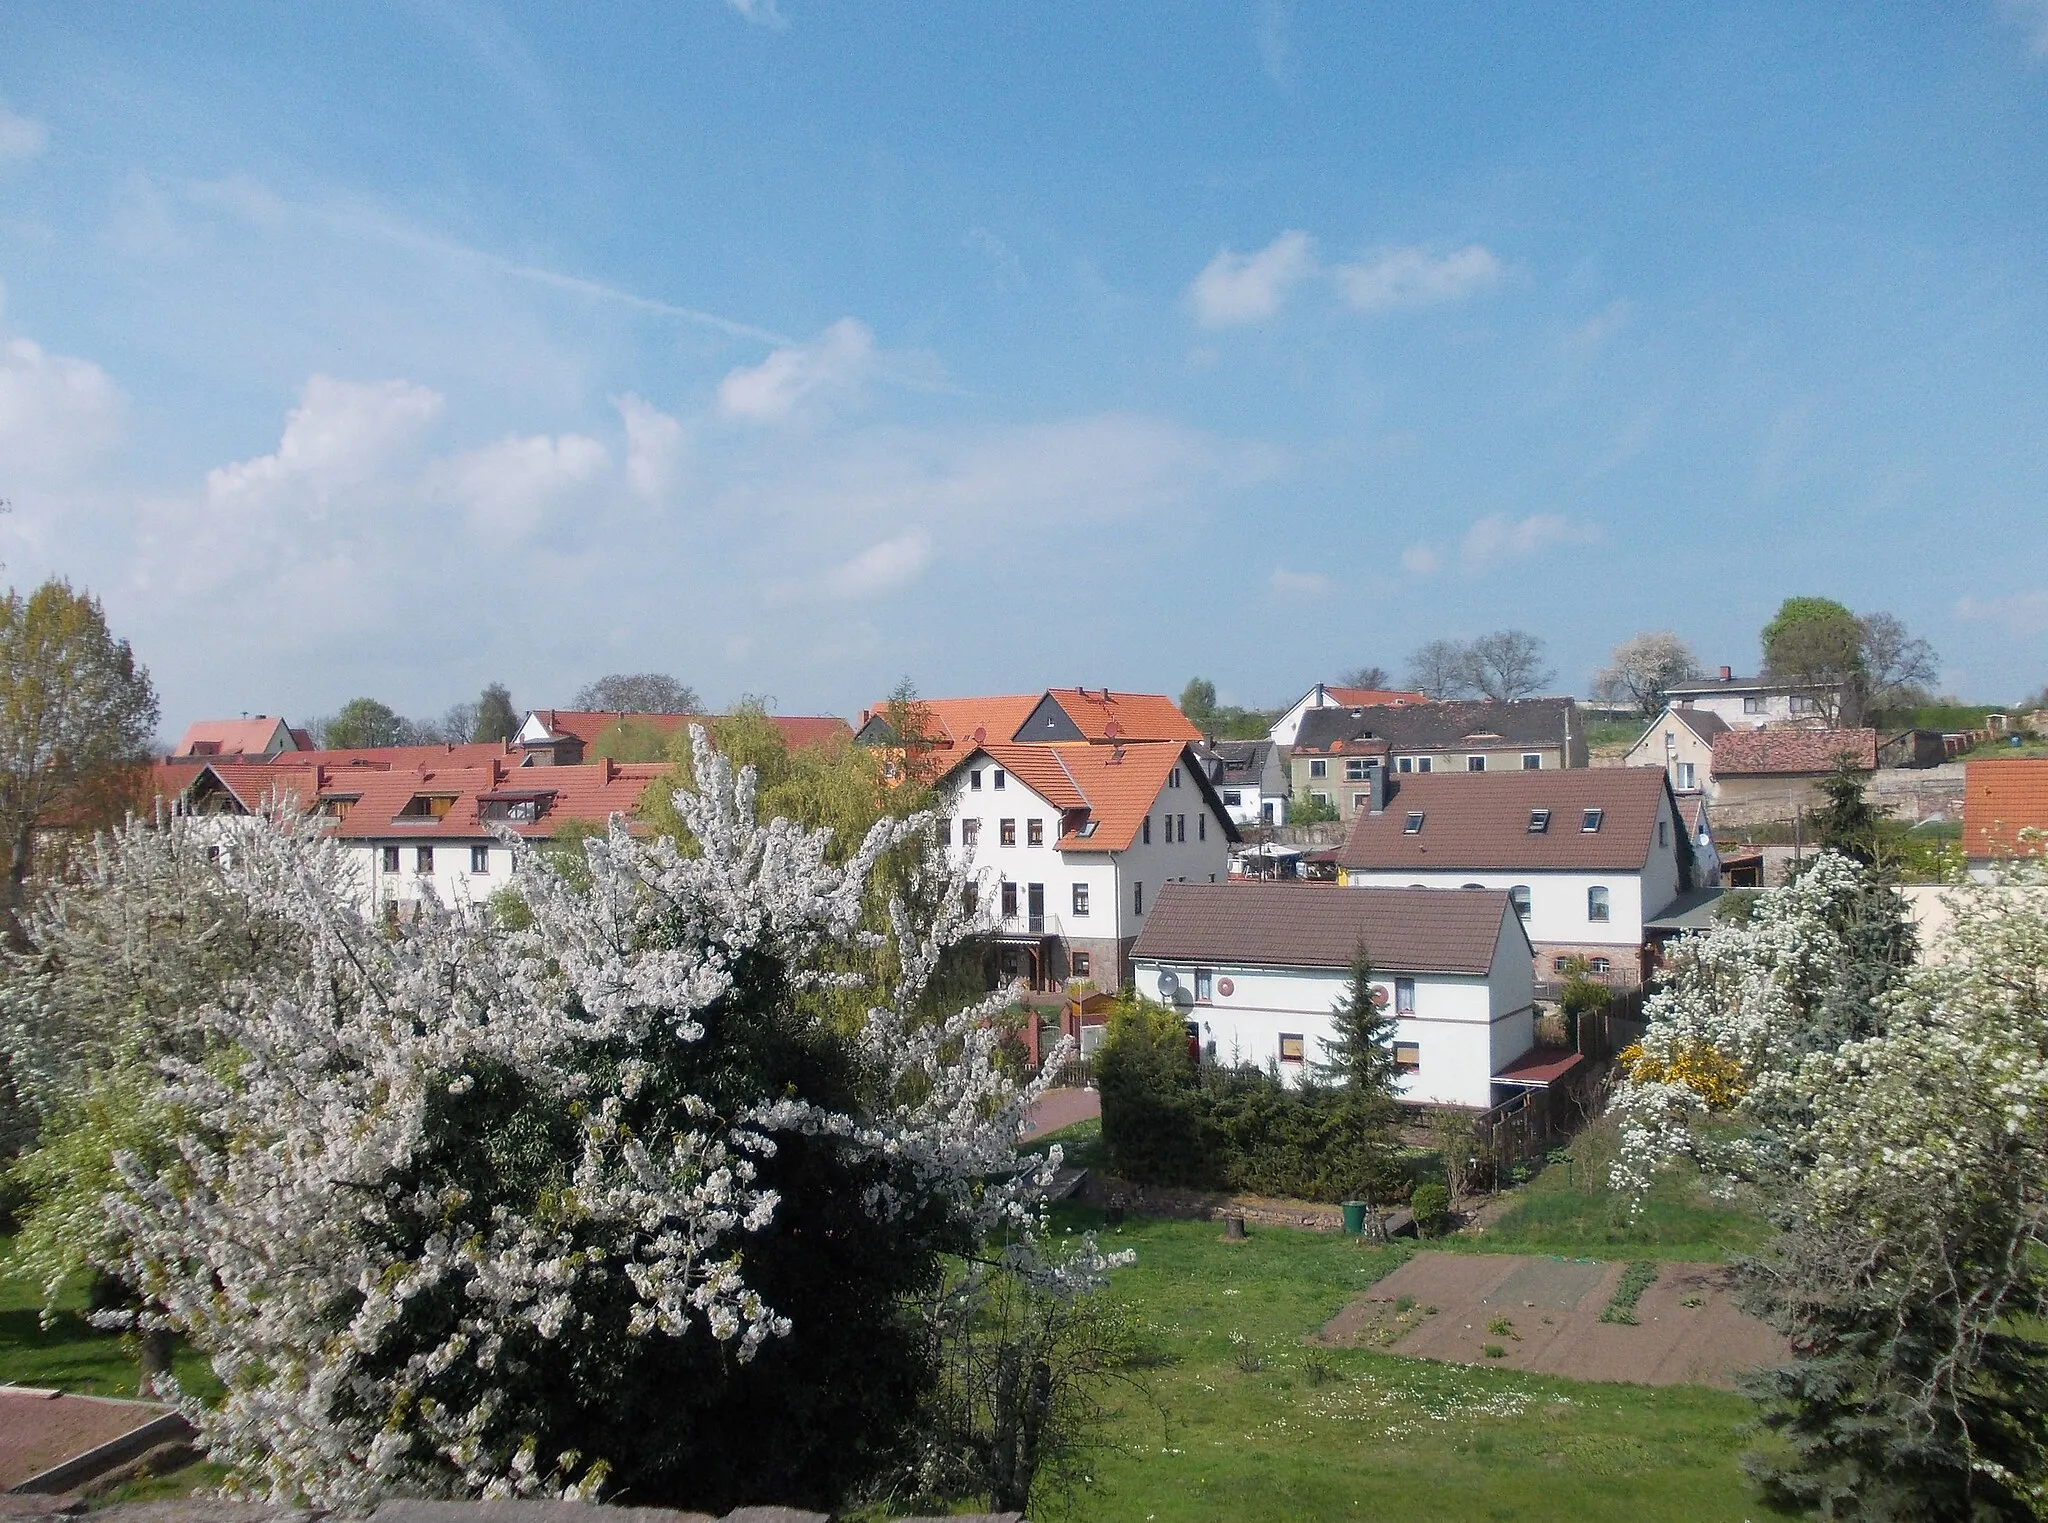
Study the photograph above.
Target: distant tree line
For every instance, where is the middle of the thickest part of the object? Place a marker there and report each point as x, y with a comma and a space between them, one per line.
365, 723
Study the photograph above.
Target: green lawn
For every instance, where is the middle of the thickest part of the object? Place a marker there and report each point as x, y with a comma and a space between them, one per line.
1569, 1209
1379, 1436
71, 1355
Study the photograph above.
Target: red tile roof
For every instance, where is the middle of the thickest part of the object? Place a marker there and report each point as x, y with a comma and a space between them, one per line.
386, 758
1479, 821
2001, 799
591, 793
798, 730
1783, 751
1306, 925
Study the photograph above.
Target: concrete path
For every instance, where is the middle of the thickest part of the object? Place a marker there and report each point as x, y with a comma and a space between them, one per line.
1058, 1108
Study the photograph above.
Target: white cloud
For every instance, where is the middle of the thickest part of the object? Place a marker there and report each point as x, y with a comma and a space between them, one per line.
21, 138
340, 435
56, 412
838, 360
1305, 584
2033, 16
1009, 268
511, 487
1496, 537
1421, 560
760, 13
1242, 288
882, 568
1414, 277
1590, 336
2019, 613
655, 446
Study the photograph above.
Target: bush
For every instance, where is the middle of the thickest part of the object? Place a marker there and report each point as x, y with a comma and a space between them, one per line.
1431, 1204
1168, 1121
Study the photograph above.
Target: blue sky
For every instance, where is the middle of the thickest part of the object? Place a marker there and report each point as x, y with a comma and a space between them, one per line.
791, 348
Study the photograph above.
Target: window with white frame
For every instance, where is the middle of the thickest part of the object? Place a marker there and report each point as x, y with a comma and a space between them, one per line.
1006, 833
998, 780
1317, 767
1404, 996
1407, 1057
1687, 777
479, 859
1354, 770
423, 859
1532, 761
1422, 763
974, 781
1034, 832
1599, 967
1518, 896
1475, 764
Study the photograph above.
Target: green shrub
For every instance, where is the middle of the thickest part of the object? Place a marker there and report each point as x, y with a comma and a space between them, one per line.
1635, 1279
1152, 1127
1431, 1204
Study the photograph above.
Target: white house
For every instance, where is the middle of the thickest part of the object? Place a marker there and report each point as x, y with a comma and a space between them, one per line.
1681, 741
1324, 696
1586, 855
1752, 702
1250, 777
1257, 969
1077, 840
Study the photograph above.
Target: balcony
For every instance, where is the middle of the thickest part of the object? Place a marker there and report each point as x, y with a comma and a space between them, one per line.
1024, 926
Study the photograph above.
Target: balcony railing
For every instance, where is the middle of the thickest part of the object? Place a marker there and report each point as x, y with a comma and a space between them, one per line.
1024, 923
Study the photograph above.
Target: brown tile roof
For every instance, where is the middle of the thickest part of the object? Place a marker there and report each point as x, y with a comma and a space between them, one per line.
1478, 821
1306, 925
2000, 799
1783, 751
798, 730
1477, 724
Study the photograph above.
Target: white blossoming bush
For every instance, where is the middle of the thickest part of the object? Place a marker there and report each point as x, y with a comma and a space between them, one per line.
600, 1203
1896, 1118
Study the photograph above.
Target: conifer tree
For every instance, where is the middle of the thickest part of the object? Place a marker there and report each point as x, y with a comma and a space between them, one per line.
1361, 1056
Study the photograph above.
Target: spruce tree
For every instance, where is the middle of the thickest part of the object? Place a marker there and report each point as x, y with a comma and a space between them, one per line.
1361, 1055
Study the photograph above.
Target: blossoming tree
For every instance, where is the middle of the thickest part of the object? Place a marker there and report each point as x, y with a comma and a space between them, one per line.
598, 1201
1896, 1118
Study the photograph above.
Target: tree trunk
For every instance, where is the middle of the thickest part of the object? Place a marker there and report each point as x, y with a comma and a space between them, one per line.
156, 1345
1014, 1495
20, 859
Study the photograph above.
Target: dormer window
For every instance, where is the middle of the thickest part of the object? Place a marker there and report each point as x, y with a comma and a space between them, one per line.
1413, 825
1539, 821
1590, 822
427, 806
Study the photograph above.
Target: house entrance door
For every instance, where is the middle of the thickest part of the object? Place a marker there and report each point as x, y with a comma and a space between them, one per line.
1034, 903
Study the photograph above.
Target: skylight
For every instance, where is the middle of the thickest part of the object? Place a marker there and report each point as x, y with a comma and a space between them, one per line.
1414, 825
1539, 821
1592, 819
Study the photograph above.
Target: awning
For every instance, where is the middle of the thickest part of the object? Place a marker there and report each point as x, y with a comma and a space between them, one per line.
1539, 1067
1693, 910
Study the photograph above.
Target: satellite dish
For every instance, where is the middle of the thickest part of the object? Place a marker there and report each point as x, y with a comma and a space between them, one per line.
1169, 985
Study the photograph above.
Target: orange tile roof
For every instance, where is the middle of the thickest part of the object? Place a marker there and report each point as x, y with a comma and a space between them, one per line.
798, 730
592, 793
230, 737
965, 722
1115, 784
2001, 799
1102, 715
1371, 697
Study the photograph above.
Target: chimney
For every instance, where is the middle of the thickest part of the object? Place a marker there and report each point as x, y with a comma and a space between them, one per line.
1727, 674
1377, 782
611, 770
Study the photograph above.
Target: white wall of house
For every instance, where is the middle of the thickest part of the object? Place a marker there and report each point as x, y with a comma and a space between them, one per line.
1753, 708
1112, 879
1465, 1027
452, 876
1248, 805
1688, 761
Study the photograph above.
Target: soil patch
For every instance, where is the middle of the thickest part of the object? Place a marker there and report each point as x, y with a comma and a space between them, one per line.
1543, 1315
40, 1430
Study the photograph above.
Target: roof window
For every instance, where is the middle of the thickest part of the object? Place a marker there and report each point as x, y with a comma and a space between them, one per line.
1539, 821
1413, 827
1590, 822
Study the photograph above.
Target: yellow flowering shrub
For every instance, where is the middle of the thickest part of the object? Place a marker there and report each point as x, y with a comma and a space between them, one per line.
1698, 1066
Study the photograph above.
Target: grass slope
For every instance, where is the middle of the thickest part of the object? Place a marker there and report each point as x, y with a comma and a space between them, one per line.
1247, 1431
70, 1355
1569, 1209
